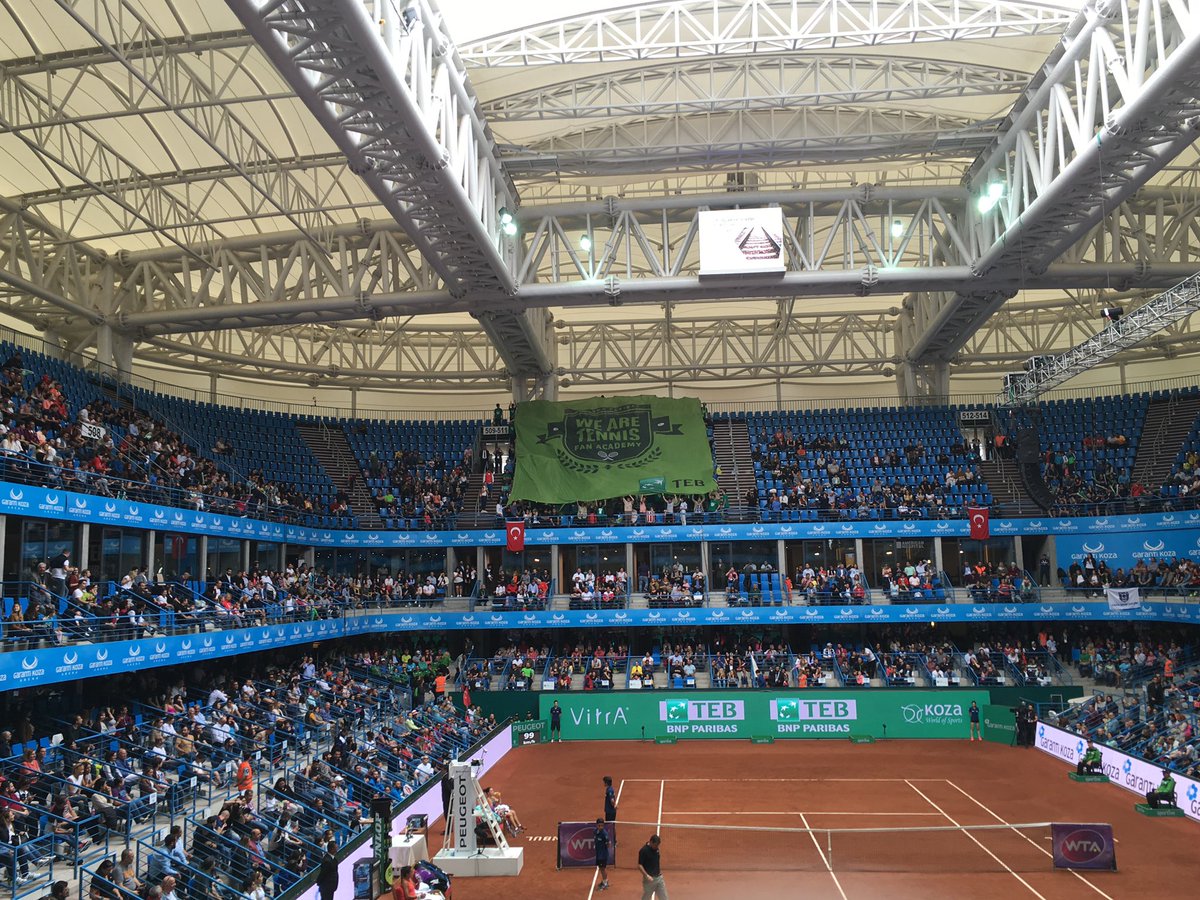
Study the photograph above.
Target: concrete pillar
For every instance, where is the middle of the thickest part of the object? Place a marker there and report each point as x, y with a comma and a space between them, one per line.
556, 568
151, 538
85, 535
201, 573
780, 556
3, 541
858, 553
1019, 552
937, 555
245, 556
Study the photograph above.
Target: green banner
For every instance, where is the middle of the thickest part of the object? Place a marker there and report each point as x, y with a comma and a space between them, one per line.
607, 447
723, 714
999, 723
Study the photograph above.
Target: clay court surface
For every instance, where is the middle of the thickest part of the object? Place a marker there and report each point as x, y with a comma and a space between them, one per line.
829, 784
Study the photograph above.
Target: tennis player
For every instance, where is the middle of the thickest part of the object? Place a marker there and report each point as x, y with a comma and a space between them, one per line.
973, 712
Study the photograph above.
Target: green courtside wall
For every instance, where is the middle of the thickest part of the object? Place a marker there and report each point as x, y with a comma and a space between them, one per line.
605, 447
518, 704
781, 714
998, 723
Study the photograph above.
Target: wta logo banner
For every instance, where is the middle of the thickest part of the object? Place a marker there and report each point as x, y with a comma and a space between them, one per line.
1083, 846
577, 844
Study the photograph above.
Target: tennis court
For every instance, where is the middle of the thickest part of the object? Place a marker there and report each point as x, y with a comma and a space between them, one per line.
829, 819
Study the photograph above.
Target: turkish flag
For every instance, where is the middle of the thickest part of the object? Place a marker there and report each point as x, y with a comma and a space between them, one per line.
978, 517
516, 537
466, 696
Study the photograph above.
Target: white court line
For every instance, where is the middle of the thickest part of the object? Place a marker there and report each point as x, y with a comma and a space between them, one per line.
620, 788
824, 859
1027, 838
789, 780
662, 786
799, 813
977, 843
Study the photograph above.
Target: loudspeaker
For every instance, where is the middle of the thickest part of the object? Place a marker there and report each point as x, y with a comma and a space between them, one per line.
1029, 448
1029, 466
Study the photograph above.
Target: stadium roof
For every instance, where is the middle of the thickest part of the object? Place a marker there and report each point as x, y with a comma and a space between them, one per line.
174, 190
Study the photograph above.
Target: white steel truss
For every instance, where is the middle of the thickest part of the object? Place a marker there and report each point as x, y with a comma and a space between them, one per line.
691, 28
761, 82
1117, 100
859, 241
385, 81
758, 138
1047, 373
646, 352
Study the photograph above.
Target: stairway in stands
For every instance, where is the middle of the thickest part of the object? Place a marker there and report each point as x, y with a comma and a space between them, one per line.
329, 445
731, 450
1168, 423
1004, 483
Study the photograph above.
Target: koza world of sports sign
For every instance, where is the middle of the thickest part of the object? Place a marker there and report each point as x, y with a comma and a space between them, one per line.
702, 716
933, 713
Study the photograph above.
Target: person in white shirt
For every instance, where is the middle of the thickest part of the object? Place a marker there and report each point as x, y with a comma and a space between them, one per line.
425, 768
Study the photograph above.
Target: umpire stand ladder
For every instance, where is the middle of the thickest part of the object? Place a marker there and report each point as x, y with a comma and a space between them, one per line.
461, 854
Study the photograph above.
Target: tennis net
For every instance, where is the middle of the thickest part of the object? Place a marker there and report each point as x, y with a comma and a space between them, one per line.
851, 845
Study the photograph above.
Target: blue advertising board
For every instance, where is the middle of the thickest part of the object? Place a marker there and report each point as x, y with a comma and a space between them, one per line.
47, 665
28, 500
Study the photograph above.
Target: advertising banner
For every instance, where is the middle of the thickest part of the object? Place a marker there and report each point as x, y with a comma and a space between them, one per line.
1116, 539
577, 844
1135, 775
606, 447
999, 724
717, 715
1083, 846
47, 665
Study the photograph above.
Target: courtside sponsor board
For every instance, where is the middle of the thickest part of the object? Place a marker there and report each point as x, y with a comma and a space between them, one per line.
1088, 846
1135, 775
577, 844
714, 715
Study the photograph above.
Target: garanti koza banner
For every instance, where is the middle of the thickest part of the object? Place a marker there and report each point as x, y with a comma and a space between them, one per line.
780, 714
604, 447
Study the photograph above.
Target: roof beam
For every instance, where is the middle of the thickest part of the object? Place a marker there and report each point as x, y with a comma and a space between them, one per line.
690, 28
395, 97
1117, 100
774, 137
764, 82
1165, 310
